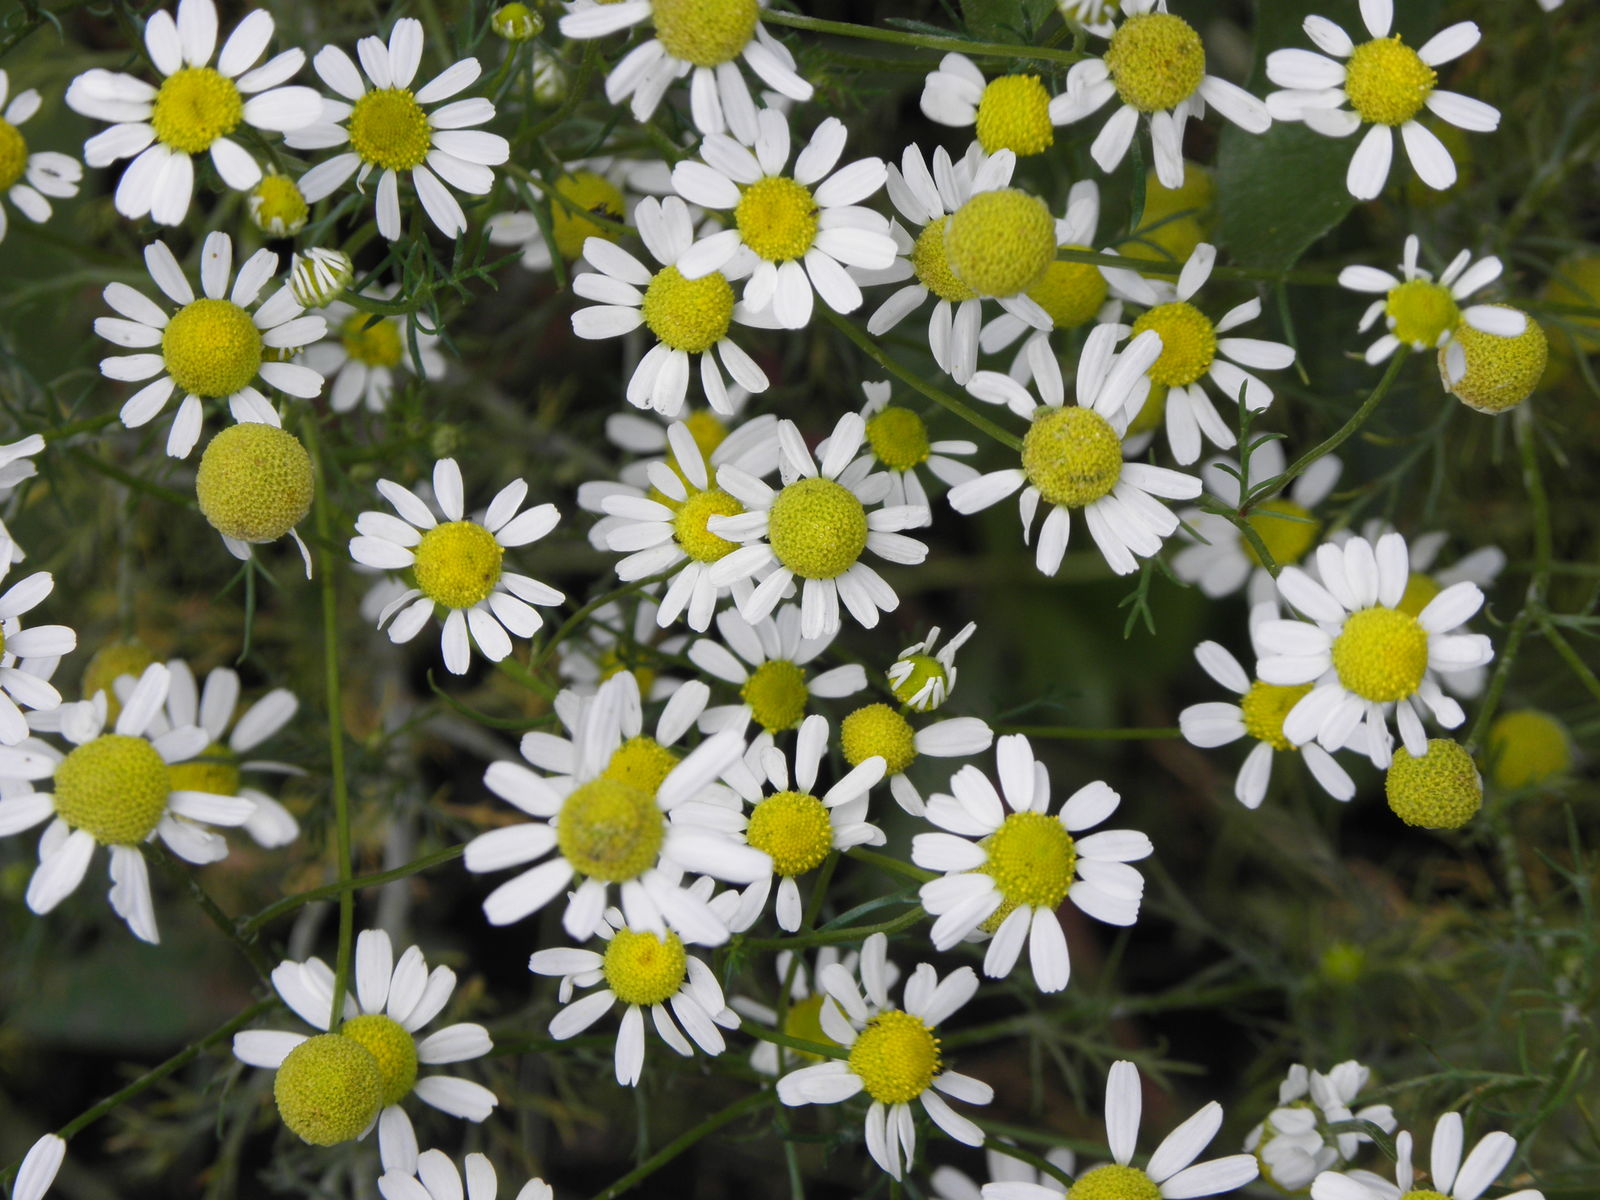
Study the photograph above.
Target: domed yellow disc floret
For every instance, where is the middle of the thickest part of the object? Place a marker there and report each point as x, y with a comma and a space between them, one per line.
776, 693
1001, 243
1501, 371
1424, 1194
1032, 860
216, 771
1419, 593
817, 528
642, 968
931, 262
691, 315
610, 830
589, 193
706, 33
689, 524
793, 829
1014, 114
1422, 312
1440, 790
13, 155
1387, 81
372, 341
777, 218
641, 763
1381, 654
194, 107
254, 483
1527, 747
211, 348
277, 206
1114, 1182
1071, 293
1188, 343
1286, 529
388, 129
1072, 455
329, 1089
1156, 61
457, 563
112, 661
924, 667
898, 437
804, 1021
877, 729
114, 788
1265, 706
395, 1049
896, 1057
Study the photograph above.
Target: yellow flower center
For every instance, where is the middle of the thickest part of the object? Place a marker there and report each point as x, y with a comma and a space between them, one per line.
1381, 654
1156, 61
898, 437
1265, 706
395, 1049
1072, 455
1032, 860
793, 828
932, 264
457, 563
641, 763
1387, 81
1440, 790
708, 430
1501, 371
610, 830
644, 969
776, 693
804, 1021
1071, 293
388, 129
817, 528
255, 482
1420, 591
705, 32
1424, 1194
13, 155
589, 193
1014, 114
896, 1057
211, 348
689, 525
115, 788
277, 206
195, 106
611, 663
110, 663
1422, 312
374, 341
878, 729
1527, 747
1286, 529
1188, 343
1151, 414
1113, 1182
329, 1089
688, 314
215, 771
777, 218
1001, 243
923, 669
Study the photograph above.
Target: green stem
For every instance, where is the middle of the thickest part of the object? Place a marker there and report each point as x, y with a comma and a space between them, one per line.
578, 617
1037, 1162
1158, 267
794, 1043
833, 937
892, 865
1571, 657
683, 1142
224, 923
925, 41
1078, 732
87, 425
289, 904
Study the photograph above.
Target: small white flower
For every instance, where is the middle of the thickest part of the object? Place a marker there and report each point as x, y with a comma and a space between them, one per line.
1009, 112
767, 660
921, 678
365, 352
897, 441
591, 198
28, 657
1451, 1178
806, 997
437, 1178
29, 181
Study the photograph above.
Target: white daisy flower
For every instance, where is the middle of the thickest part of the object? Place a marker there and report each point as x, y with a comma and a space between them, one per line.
1096, 16
897, 441
1292, 1145
948, 1183
1006, 873
645, 970
922, 678
1425, 315
1009, 112
1156, 66
1072, 458
611, 643
1223, 562
28, 657
795, 233
590, 198
881, 731
390, 129
1258, 714
816, 528
29, 181
210, 348
39, 1167
608, 809
194, 110
893, 1055
457, 564
1386, 84
767, 660
1451, 1178
687, 316
802, 1016
115, 790
437, 1178
365, 353
391, 1004
705, 40
1169, 1172
1364, 653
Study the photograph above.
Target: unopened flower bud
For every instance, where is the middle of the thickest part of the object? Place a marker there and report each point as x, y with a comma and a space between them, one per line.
318, 276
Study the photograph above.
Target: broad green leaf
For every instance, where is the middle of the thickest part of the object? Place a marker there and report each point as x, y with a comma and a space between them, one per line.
1005, 20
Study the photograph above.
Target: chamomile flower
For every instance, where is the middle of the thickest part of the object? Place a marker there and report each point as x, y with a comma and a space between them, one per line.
644, 970
816, 528
365, 353
30, 181
1386, 84
1425, 315
922, 678
1006, 873
436, 1178
687, 316
276, 205
796, 232
590, 198
211, 348
612, 642
893, 1055
391, 1004
767, 660
193, 111
1364, 653
1450, 1178
457, 564
28, 656
877, 730
1258, 714
1009, 112
705, 38
390, 129
115, 790
802, 1017
1156, 67
39, 1167
1072, 459
1293, 1145
897, 441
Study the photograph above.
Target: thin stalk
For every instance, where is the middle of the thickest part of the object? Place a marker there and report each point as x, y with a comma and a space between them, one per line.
332, 891
926, 41
1075, 732
834, 937
684, 1142
225, 924
794, 1043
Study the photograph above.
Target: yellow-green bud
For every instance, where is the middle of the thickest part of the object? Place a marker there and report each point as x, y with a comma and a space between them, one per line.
328, 1089
516, 22
1440, 790
254, 483
318, 276
1527, 747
